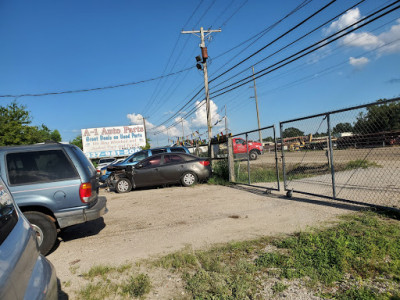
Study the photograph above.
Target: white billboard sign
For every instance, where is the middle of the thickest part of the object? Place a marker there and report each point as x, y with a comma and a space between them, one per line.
112, 141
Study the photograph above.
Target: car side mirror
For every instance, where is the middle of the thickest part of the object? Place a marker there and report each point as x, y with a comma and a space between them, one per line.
138, 166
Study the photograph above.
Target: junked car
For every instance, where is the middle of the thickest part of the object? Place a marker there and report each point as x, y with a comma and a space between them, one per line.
24, 272
138, 156
160, 169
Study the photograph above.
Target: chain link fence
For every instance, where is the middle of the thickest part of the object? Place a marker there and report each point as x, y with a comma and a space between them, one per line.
255, 158
351, 154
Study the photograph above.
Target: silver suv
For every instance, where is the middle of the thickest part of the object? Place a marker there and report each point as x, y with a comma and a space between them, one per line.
54, 185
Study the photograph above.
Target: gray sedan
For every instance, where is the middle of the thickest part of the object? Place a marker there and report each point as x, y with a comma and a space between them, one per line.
161, 169
24, 273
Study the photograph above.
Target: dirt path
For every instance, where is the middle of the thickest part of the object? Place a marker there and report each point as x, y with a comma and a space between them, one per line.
153, 222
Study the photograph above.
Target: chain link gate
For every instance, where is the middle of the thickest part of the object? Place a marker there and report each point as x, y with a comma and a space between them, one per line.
350, 154
255, 159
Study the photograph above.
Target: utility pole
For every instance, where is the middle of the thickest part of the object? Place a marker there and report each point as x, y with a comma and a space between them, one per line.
204, 62
226, 123
258, 116
145, 132
183, 131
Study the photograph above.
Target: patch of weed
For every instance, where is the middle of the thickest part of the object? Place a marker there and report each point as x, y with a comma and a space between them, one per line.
97, 291
178, 260
279, 287
360, 164
137, 286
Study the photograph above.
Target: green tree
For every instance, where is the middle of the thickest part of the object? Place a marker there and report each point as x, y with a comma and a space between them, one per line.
15, 128
292, 132
342, 127
268, 139
378, 118
148, 146
77, 142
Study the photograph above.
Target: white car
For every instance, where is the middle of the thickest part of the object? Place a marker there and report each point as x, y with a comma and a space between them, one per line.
192, 148
104, 162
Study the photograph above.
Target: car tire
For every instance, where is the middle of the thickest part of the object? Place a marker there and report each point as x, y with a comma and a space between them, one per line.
45, 229
123, 185
253, 155
189, 179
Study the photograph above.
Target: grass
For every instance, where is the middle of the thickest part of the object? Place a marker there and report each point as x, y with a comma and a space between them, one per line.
267, 173
137, 286
109, 282
365, 248
358, 258
360, 163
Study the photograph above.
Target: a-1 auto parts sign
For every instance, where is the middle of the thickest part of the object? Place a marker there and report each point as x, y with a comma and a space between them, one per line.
113, 141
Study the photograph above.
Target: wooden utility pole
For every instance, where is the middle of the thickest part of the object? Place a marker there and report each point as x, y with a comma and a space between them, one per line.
183, 131
204, 62
145, 132
226, 123
258, 116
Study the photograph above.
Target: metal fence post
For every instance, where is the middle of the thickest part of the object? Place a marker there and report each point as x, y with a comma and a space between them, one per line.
248, 157
328, 119
276, 159
283, 158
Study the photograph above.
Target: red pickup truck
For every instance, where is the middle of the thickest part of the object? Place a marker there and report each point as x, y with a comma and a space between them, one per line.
239, 148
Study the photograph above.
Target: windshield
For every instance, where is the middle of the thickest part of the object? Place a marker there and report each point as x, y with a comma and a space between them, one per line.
136, 157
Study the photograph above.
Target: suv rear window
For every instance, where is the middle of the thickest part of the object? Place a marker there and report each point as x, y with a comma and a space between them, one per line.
178, 149
39, 166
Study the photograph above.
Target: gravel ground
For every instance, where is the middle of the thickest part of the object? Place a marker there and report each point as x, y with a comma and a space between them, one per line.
152, 222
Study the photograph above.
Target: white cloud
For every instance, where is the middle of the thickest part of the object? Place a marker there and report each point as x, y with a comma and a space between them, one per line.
369, 41
358, 62
365, 40
200, 119
350, 17
189, 125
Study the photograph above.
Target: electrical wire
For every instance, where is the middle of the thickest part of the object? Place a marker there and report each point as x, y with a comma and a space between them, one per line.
158, 89
290, 44
328, 42
95, 89
275, 40
325, 42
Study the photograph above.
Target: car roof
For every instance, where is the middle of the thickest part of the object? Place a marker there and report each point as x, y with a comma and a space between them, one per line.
44, 146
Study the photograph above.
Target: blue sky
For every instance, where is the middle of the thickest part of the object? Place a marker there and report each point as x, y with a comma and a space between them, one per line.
54, 46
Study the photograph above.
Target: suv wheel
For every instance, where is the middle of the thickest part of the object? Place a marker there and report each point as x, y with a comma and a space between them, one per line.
45, 229
123, 186
253, 155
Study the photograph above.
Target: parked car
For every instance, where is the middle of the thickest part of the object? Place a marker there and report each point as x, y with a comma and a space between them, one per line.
138, 156
104, 162
160, 169
201, 149
24, 272
54, 185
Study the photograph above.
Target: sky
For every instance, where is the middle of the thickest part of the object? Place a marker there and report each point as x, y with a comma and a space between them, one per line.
61, 46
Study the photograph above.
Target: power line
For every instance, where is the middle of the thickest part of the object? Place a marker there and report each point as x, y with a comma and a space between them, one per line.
263, 32
278, 38
95, 89
346, 33
313, 45
158, 89
303, 4
291, 43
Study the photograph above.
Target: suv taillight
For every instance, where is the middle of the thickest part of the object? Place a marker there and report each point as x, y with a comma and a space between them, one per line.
204, 163
85, 191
